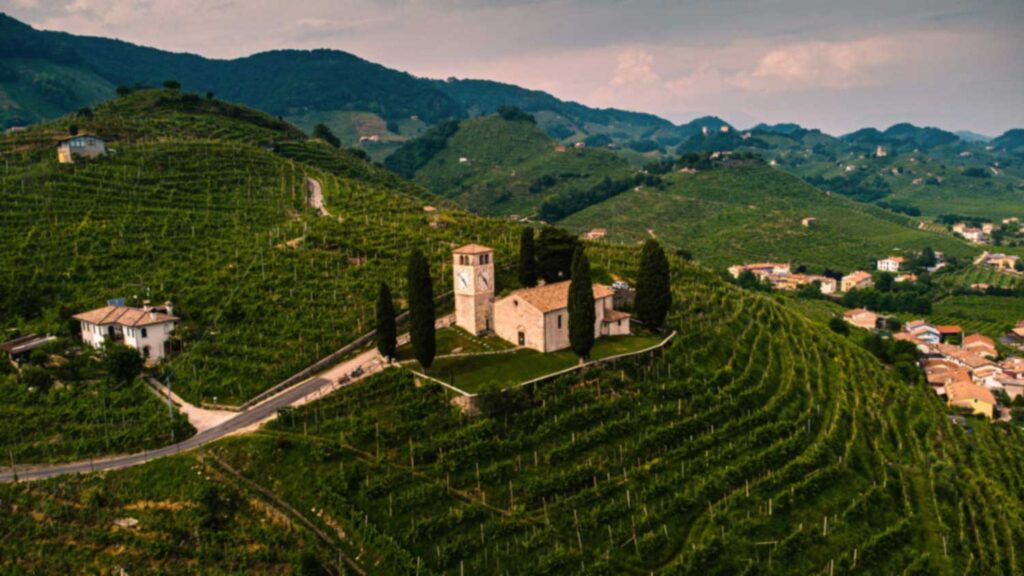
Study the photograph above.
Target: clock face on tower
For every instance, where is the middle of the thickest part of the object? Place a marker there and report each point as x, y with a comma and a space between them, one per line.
464, 279
483, 280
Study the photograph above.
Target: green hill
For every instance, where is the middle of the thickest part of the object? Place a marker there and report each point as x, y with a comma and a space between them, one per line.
758, 443
744, 213
202, 203
500, 166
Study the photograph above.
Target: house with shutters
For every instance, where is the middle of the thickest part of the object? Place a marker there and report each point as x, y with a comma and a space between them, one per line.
147, 329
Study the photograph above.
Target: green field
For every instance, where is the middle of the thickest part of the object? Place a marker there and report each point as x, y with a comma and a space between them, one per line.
744, 214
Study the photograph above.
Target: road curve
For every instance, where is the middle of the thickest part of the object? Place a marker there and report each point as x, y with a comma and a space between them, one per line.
244, 419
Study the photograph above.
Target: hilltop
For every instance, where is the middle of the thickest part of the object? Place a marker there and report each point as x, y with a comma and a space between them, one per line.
504, 164
746, 211
203, 203
759, 442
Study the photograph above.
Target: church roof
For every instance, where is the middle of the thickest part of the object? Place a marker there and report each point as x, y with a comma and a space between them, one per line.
555, 296
473, 249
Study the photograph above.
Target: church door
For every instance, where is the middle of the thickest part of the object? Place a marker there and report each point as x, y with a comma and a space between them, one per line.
522, 338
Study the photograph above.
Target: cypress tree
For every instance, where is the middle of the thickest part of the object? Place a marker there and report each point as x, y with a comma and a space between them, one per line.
527, 259
653, 288
387, 332
581, 306
421, 309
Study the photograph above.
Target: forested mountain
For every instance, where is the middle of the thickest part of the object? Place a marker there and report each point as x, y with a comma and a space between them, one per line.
45, 74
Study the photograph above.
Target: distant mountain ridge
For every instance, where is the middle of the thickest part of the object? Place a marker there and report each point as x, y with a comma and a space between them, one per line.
45, 74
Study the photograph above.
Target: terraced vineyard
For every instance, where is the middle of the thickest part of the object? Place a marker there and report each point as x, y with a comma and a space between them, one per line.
221, 227
973, 275
758, 443
990, 315
753, 213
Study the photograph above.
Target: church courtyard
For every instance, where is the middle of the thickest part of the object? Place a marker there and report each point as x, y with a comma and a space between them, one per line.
475, 367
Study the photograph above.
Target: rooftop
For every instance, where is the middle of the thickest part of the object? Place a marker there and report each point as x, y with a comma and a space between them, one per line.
124, 316
555, 296
473, 249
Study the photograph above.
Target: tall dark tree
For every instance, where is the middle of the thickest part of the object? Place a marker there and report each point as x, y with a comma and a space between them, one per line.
324, 133
421, 309
387, 332
582, 316
527, 259
555, 249
653, 287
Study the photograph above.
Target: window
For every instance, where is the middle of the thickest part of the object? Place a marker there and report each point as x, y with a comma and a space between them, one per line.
559, 321
143, 332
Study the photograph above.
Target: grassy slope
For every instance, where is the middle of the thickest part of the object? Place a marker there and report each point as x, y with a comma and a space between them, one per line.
191, 209
503, 159
754, 427
733, 215
44, 90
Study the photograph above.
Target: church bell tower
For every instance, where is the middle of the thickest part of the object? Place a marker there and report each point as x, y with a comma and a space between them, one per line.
474, 288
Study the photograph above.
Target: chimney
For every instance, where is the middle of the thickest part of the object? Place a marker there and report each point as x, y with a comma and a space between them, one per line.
169, 307
145, 305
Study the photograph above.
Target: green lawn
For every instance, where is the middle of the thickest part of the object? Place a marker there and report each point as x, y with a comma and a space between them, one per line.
474, 373
456, 340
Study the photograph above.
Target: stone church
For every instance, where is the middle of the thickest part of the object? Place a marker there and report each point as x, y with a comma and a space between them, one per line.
536, 318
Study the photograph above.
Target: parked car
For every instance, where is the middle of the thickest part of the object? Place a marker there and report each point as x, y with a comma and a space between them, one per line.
357, 372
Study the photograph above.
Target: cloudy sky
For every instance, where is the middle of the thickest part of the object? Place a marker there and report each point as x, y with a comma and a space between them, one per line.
951, 63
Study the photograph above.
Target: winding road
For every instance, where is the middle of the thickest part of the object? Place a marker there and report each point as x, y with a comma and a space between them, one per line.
304, 391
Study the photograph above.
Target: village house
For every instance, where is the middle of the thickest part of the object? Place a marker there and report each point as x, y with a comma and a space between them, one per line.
980, 345
80, 145
536, 318
890, 264
998, 260
595, 234
975, 235
880, 151
1016, 334
968, 395
923, 331
760, 268
911, 278
948, 332
862, 318
857, 280
809, 222
147, 329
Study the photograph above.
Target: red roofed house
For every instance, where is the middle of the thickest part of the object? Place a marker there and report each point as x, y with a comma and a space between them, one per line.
978, 398
861, 318
980, 345
949, 331
857, 280
147, 329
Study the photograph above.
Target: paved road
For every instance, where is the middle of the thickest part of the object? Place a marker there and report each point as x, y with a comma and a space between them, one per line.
244, 419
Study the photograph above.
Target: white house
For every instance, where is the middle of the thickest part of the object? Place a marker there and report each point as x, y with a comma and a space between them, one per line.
83, 145
147, 329
890, 264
